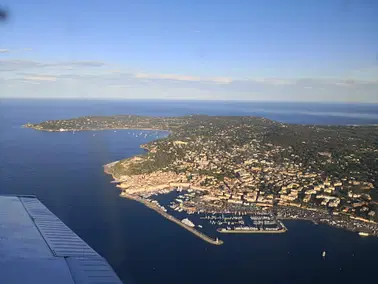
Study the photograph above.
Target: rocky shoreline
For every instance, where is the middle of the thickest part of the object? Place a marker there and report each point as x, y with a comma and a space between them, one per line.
90, 129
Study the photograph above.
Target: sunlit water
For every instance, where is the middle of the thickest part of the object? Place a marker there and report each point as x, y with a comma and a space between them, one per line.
65, 171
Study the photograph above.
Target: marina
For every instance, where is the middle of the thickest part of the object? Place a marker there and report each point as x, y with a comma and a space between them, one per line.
172, 205
131, 241
159, 210
250, 229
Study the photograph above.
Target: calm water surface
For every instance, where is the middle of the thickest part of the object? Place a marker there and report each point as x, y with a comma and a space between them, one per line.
65, 172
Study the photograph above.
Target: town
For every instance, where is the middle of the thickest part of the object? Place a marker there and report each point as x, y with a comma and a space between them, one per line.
247, 164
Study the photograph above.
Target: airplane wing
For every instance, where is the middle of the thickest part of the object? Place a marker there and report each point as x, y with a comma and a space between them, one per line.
37, 247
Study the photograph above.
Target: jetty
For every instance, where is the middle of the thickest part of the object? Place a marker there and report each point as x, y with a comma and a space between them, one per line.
283, 230
173, 219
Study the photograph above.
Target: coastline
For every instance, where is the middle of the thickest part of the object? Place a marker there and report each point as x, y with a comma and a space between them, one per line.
138, 186
283, 230
107, 168
251, 232
363, 227
96, 129
317, 221
173, 219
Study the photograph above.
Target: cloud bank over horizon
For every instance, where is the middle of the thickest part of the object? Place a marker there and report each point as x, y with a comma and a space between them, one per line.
202, 50
22, 78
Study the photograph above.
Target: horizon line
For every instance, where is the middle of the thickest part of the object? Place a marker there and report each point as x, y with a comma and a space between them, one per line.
189, 100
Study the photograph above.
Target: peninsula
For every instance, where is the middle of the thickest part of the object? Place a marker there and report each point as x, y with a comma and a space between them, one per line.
249, 165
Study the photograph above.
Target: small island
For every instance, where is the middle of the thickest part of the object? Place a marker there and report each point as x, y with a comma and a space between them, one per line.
244, 174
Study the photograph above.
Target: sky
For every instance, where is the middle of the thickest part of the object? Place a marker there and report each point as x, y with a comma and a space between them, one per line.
266, 50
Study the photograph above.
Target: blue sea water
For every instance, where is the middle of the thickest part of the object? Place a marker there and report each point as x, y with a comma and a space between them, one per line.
65, 172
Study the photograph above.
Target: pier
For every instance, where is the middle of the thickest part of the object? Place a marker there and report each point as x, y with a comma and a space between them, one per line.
251, 231
173, 219
283, 230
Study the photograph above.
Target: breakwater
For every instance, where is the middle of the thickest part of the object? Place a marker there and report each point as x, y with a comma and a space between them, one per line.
173, 219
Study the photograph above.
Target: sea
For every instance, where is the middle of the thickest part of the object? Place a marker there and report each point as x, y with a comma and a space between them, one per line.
65, 171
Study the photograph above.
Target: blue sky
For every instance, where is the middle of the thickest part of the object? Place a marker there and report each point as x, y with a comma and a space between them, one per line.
293, 50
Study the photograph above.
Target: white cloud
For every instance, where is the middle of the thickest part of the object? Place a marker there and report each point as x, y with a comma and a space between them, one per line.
40, 78
30, 82
346, 82
21, 64
3, 50
273, 81
188, 78
367, 73
95, 79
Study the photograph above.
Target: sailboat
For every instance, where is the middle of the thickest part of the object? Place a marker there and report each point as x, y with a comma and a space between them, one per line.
324, 254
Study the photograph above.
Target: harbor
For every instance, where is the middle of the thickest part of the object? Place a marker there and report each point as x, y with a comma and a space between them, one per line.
255, 223
185, 225
281, 228
170, 203
206, 214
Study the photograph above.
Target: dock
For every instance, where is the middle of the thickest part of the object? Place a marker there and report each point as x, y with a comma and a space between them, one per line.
173, 219
255, 230
252, 231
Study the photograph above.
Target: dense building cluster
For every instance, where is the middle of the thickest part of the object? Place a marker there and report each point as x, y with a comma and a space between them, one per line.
251, 161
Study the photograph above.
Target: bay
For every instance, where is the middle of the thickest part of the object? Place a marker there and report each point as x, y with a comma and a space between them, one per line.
65, 172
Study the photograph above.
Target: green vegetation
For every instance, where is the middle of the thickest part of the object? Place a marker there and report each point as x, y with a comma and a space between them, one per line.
239, 153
